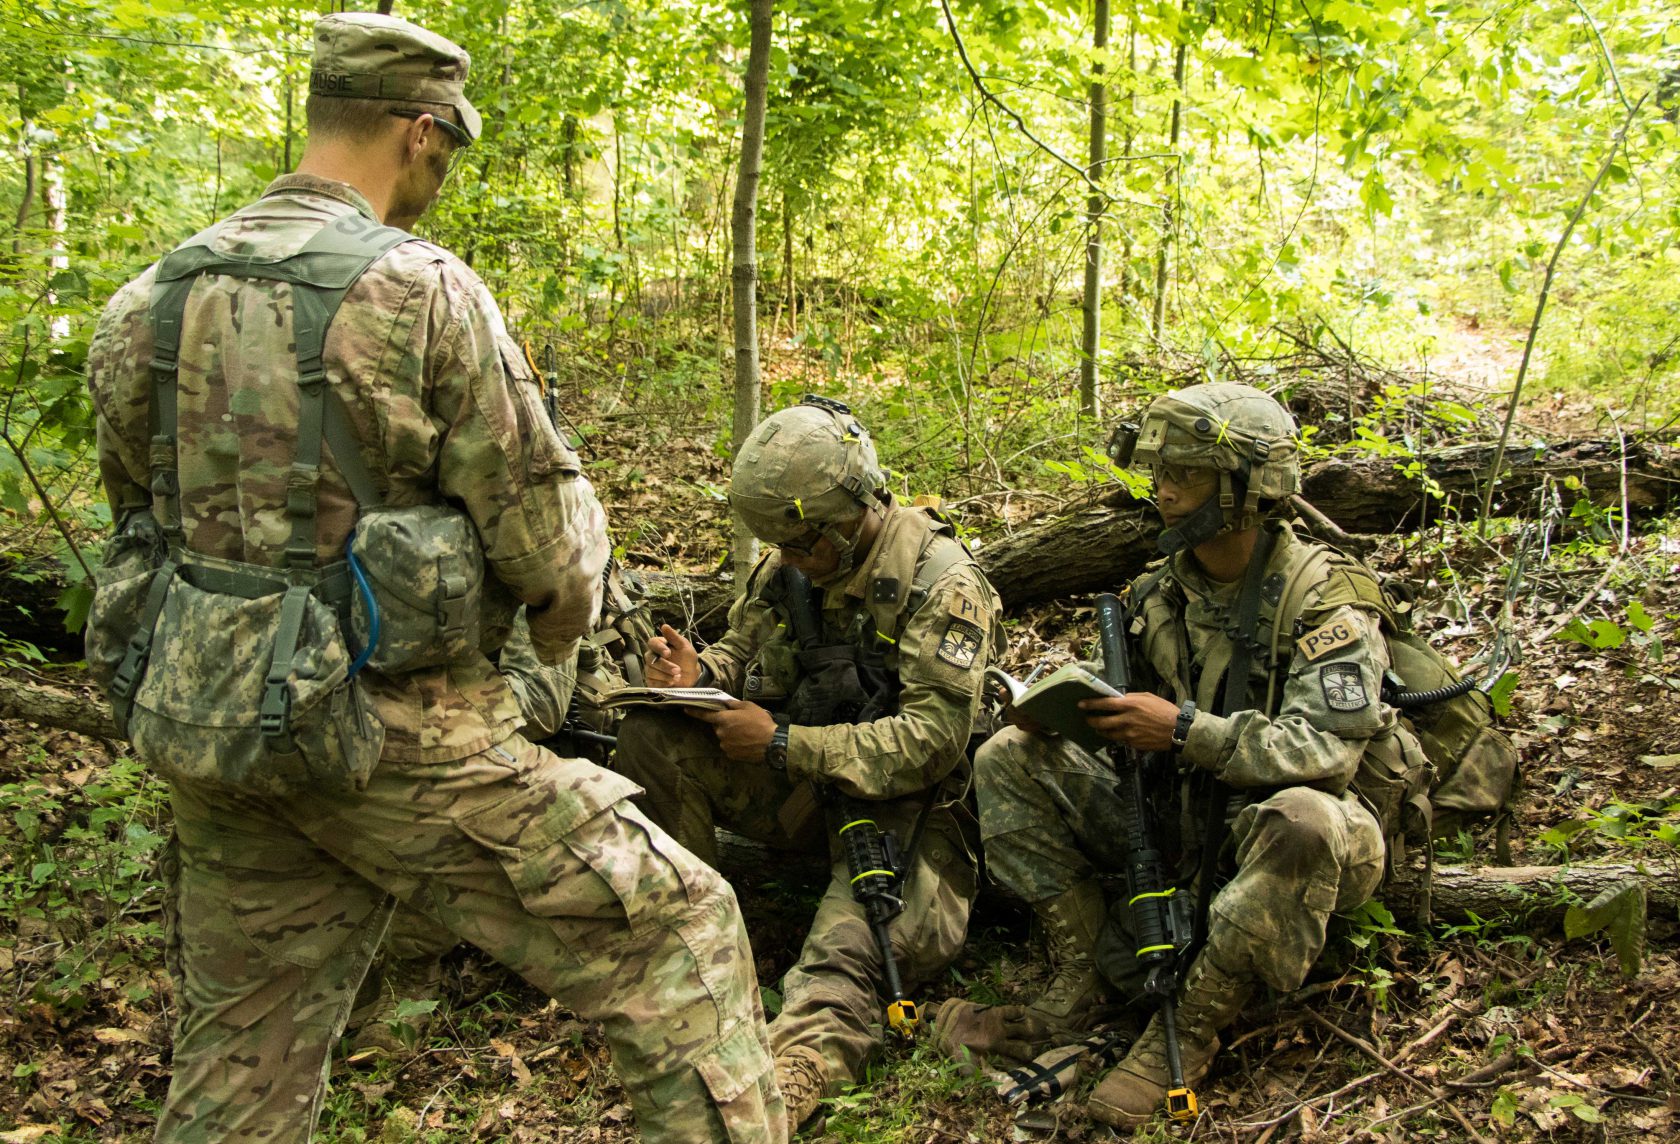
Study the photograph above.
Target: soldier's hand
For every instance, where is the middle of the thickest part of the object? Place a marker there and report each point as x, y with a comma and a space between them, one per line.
972, 1034
1141, 721
671, 660
743, 730
1012, 716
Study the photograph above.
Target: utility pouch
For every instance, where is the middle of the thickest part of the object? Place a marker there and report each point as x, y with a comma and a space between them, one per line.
131, 560
424, 567
247, 683
1393, 782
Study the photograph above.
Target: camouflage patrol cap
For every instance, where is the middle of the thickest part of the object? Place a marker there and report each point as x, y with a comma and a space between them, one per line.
805, 468
364, 55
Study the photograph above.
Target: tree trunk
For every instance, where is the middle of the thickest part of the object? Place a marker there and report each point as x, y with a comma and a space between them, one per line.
790, 295
745, 232
1169, 209
1091, 335
1126, 269
1488, 891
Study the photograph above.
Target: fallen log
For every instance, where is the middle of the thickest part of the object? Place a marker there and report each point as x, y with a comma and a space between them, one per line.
1105, 542
56, 708
1541, 894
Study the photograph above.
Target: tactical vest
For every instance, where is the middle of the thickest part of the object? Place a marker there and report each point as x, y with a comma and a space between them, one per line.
239, 673
1462, 768
818, 679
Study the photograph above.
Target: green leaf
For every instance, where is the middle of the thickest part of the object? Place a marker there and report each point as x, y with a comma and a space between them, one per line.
1638, 617
1619, 912
409, 1008
1504, 1109
1600, 635
1501, 694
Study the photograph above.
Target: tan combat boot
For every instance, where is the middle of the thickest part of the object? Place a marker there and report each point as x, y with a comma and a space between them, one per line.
1071, 921
1136, 1088
803, 1081
377, 1024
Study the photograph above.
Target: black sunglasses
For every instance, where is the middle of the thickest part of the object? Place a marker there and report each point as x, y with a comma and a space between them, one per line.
461, 138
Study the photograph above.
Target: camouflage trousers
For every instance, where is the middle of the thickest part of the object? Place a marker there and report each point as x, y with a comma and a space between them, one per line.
1050, 819
831, 999
278, 904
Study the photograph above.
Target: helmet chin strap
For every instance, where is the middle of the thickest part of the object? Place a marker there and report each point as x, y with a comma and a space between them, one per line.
1217, 515
847, 547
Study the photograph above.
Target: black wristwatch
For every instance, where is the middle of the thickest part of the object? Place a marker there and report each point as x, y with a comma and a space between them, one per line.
775, 755
1181, 725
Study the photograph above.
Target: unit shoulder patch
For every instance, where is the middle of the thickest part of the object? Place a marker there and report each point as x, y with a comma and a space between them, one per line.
1323, 640
1344, 687
961, 643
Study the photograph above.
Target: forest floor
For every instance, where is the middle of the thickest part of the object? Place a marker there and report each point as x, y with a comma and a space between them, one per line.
1493, 1029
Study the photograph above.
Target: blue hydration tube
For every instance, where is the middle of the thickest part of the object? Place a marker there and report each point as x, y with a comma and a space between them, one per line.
368, 599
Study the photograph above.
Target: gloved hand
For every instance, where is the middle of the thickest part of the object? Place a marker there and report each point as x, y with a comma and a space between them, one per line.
970, 1034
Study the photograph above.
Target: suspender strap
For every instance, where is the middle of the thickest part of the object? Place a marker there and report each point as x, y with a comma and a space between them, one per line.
943, 553
139, 651
1235, 696
275, 713
322, 272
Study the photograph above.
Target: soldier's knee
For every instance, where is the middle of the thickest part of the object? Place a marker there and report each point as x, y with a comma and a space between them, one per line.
1301, 821
999, 758
646, 740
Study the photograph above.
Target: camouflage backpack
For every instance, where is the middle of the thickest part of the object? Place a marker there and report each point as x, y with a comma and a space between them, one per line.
1469, 772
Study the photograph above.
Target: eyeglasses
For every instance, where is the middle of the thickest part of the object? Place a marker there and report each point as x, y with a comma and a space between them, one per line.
803, 545
456, 134
1185, 476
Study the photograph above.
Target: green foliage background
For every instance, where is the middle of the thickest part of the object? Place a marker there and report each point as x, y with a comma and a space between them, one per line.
1392, 173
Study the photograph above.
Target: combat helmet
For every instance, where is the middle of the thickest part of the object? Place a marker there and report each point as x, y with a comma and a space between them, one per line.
1241, 431
809, 469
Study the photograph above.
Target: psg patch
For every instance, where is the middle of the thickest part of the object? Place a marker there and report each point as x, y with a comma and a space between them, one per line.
1344, 687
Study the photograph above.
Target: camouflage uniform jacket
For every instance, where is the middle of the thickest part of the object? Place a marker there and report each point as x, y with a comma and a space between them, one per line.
938, 649
1326, 709
442, 403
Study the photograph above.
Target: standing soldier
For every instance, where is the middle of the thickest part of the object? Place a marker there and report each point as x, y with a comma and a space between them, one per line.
1281, 723
334, 482
860, 643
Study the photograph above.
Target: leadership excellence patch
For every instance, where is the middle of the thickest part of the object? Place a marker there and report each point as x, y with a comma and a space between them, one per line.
1344, 687
961, 643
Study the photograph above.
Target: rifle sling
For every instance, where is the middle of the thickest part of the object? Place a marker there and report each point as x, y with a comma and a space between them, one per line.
1233, 698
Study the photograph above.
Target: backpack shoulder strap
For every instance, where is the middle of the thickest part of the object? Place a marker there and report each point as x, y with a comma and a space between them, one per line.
322, 270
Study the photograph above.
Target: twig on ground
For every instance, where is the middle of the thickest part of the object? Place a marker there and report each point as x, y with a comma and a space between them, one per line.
1371, 1051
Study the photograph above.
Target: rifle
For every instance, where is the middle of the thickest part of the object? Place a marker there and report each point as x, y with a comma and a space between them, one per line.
874, 862
1161, 931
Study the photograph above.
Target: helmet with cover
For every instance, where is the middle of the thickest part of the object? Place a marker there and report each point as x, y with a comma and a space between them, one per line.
807, 472
1238, 430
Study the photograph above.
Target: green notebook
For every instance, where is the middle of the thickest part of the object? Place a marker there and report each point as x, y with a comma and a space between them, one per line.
1053, 702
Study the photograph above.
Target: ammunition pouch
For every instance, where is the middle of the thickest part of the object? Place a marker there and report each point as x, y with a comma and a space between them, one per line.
839, 684
239, 675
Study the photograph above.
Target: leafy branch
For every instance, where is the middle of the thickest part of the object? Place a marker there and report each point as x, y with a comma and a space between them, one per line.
1540, 307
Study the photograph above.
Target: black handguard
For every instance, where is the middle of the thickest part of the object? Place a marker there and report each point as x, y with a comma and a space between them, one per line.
1158, 928
873, 862
877, 874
